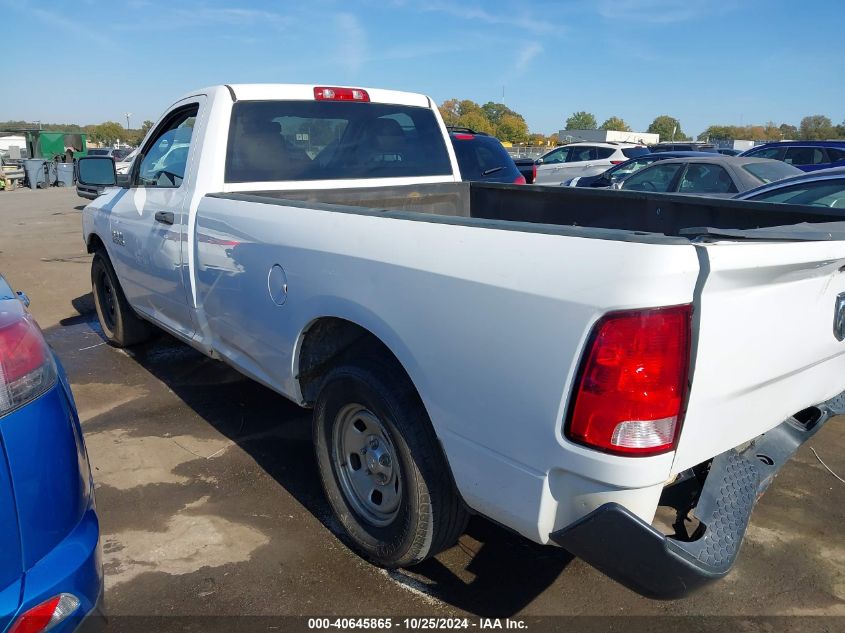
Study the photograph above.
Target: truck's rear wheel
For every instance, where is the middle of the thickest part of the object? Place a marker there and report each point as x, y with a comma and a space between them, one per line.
120, 325
382, 467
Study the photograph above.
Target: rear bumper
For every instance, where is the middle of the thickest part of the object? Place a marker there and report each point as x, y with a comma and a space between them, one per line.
632, 552
74, 566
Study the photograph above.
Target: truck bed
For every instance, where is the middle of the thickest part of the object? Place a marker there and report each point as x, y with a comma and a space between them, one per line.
620, 215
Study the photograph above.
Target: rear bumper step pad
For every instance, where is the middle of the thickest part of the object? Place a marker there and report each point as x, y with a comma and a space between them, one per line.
632, 552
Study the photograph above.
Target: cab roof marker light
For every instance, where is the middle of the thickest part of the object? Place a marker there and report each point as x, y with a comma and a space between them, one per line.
326, 93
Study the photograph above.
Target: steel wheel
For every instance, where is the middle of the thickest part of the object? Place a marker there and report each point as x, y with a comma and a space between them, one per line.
366, 464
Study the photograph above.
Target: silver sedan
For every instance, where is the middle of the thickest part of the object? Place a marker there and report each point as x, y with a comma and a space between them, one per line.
717, 176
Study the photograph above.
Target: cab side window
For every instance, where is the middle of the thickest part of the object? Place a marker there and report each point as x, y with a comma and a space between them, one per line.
165, 157
557, 156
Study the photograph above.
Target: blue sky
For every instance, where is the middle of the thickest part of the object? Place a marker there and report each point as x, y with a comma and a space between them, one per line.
702, 61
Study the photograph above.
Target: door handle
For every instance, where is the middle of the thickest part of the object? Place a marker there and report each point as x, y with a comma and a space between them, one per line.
165, 217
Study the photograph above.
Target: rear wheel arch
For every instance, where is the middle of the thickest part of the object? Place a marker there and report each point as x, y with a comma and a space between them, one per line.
329, 340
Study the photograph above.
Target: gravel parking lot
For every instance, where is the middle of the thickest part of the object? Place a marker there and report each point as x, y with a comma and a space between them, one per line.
210, 503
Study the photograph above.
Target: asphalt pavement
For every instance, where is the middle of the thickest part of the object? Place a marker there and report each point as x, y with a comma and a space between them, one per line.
210, 503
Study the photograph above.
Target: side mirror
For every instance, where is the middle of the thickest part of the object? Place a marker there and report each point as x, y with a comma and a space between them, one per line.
96, 171
539, 161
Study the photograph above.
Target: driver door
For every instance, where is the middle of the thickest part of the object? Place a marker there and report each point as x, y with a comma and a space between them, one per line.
549, 171
149, 222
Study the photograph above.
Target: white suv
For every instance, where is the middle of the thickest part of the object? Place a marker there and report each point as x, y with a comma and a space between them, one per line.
583, 159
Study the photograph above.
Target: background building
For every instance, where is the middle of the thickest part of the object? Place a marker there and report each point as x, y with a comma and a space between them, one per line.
604, 136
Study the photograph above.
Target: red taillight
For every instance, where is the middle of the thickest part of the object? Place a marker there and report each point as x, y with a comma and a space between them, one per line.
27, 368
463, 137
534, 173
520, 180
46, 615
323, 93
616, 162
633, 382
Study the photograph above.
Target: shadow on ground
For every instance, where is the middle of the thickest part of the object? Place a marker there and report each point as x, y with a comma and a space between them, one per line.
491, 572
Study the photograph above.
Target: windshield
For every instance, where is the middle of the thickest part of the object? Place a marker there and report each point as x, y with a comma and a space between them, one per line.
771, 170
825, 193
627, 168
328, 140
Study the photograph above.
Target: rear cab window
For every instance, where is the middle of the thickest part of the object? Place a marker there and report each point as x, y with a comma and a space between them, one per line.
332, 140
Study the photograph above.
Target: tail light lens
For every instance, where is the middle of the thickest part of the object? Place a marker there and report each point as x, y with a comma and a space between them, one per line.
27, 368
633, 382
46, 615
616, 162
323, 93
520, 180
534, 173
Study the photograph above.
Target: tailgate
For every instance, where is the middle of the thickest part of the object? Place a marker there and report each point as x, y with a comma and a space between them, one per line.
766, 347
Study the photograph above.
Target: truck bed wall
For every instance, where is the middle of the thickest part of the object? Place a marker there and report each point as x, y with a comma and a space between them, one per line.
669, 215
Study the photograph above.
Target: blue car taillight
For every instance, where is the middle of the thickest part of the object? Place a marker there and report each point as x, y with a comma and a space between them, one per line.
27, 367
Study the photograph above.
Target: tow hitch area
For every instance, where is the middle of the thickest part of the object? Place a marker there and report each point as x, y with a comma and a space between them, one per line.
632, 552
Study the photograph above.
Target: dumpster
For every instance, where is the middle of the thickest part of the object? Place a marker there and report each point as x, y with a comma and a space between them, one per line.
36, 172
64, 174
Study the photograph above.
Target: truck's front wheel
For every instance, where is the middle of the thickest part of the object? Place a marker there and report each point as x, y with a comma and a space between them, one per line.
121, 326
382, 468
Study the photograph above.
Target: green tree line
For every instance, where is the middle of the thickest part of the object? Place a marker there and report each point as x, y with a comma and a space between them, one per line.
106, 133
816, 127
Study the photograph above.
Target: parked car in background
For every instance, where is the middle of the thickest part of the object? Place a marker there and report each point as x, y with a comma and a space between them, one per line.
527, 167
51, 573
583, 159
482, 157
728, 151
719, 176
822, 188
117, 153
622, 171
122, 166
683, 146
806, 155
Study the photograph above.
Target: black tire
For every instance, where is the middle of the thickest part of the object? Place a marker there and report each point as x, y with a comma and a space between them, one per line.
121, 326
430, 515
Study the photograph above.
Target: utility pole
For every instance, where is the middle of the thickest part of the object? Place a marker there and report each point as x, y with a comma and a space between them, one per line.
127, 115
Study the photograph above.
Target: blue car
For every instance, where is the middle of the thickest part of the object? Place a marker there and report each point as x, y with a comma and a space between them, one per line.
805, 155
51, 574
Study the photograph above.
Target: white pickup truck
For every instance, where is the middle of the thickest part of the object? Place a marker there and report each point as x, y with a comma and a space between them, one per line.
562, 361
